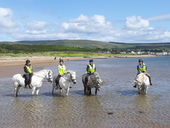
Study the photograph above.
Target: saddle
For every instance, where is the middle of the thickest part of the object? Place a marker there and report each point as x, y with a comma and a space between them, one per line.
87, 77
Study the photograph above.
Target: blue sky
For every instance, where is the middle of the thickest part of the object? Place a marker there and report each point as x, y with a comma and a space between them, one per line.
128, 21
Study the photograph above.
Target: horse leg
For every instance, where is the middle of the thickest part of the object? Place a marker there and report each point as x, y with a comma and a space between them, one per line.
145, 90
61, 90
89, 91
96, 91
67, 91
53, 90
37, 91
85, 90
139, 90
33, 90
16, 90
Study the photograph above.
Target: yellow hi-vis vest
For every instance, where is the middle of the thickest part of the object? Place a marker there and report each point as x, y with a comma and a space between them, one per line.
91, 68
29, 69
142, 68
61, 69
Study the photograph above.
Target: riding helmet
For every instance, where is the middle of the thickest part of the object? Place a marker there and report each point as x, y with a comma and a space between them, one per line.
28, 61
90, 60
140, 60
61, 60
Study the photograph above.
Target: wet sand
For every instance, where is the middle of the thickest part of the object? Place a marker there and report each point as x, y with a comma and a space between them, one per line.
117, 104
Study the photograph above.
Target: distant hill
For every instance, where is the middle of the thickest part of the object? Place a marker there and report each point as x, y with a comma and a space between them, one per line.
73, 43
99, 44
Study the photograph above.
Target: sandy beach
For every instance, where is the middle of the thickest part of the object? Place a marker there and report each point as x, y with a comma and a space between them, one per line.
45, 60
13, 65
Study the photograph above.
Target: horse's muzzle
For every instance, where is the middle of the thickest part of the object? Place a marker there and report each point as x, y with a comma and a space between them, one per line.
50, 80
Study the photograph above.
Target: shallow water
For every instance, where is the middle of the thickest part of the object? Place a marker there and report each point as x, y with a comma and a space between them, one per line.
117, 104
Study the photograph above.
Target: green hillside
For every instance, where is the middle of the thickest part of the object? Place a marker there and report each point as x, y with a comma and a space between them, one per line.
74, 43
103, 45
98, 45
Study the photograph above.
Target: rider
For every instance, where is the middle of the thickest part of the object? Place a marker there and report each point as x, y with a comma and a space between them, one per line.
28, 73
61, 71
91, 68
142, 68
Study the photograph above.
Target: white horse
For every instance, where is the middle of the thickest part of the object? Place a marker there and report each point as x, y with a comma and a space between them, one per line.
93, 81
36, 82
64, 82
142, 82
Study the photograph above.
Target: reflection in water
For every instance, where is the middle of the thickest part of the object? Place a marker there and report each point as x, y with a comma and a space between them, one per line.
142, 104
92, 111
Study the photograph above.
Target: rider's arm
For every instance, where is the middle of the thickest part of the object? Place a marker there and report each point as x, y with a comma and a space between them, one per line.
59, 72
138, 69
87, 68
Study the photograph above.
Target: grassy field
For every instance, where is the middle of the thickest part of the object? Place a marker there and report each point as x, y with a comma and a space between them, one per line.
74, 48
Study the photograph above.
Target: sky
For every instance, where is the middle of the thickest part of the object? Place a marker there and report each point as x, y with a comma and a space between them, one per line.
128, 21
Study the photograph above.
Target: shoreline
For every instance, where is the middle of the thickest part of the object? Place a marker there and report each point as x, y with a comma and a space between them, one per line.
45, 60
14, 65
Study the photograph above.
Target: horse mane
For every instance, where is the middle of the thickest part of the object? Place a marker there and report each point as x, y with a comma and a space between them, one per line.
69, 71
140, 78
42, 71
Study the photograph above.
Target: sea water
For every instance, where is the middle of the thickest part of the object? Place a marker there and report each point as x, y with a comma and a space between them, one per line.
117, 104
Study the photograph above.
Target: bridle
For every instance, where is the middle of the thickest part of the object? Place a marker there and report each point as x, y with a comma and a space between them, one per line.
48, 78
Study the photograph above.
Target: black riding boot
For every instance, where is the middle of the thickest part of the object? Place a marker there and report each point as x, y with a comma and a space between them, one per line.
57, 81
86, 79
150, 80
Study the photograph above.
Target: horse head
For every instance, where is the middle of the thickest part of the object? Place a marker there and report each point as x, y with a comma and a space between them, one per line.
72, 76
138, 83
98, 79
49, 75
139, 80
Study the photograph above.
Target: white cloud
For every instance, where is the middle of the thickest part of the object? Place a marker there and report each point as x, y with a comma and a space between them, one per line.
7, 24
92, 25
160, 17
136, 22
97, 27
38, 25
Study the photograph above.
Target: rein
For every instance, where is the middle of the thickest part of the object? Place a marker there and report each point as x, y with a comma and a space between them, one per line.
42, 77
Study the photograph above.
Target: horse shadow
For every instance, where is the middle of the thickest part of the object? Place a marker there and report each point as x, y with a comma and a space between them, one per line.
56, 94
21, 95
78, 92
128, 92
74, 92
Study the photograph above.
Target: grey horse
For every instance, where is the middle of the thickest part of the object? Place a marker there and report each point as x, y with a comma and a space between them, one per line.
91, 81
64, 82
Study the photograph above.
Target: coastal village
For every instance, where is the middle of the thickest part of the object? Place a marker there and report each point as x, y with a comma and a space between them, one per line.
147, 53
